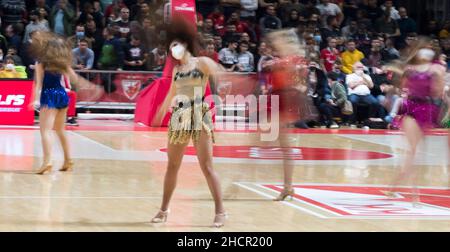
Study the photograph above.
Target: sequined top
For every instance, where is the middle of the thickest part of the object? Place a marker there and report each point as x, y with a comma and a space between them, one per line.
419, 83
191, 83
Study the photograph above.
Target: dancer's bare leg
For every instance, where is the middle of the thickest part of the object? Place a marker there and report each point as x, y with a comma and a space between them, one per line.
60, 128
175, 153
204, 149
413, 135
288, 165
46, 122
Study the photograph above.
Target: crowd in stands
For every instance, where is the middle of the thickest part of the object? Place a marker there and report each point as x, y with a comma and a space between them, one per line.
348, 41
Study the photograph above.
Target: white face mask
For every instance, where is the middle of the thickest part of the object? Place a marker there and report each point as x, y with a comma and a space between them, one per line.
426, 54
9, 66
178, 51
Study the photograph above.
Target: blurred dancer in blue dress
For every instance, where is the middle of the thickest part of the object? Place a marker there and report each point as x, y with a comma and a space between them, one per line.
54, 59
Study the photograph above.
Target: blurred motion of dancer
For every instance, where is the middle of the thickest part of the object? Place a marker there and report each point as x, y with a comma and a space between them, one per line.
191, 116
288, 70
54, 59
423, 80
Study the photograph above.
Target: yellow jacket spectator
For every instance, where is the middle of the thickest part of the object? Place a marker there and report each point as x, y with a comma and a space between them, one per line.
10, 71
350, 57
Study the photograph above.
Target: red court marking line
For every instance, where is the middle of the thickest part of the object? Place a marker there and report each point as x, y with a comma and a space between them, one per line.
437, 132
316, 203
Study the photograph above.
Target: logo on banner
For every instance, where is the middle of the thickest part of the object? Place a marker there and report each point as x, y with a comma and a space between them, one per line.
12, 100
359, 201
184, 7
131, 88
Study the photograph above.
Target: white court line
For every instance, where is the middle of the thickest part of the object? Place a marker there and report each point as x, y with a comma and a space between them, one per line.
93, 141
18, 127
78, 197
284, 202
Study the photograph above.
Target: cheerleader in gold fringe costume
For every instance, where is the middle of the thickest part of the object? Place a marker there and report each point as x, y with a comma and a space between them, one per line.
191, 117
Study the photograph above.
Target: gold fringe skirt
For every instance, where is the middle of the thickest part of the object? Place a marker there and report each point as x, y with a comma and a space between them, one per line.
188, 122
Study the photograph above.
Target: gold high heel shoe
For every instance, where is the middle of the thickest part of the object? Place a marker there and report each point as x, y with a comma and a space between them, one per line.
67, 166
160, 217
219, 220
44, 169
284, 194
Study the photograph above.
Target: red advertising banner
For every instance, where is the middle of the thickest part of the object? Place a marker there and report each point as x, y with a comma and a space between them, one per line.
185, 8
15, 96
115, 87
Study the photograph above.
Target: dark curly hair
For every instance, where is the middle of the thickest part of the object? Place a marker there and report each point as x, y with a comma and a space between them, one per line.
185, 32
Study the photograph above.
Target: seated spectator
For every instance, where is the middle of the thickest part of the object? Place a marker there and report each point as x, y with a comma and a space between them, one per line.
12, 52
135, 8
210, 51
293, 21
339, 97
387, 26
286, 8
89, 12
359, 86
377, 56
62, 18
386, 94
445, 31
208, 26
350, 57
34, 25
218, 19
12, 11
144, 11
329, 9
12, 33
245, 58
11, 71
248, 9
390, 49
111, 55
80, 33
83, 56
270, 21
218, 42
319, 91
229, 6
157, 57
228, 56
135, 55
231, 33
407, 26
389, 6
331, 29
329, 55
339, 74
350, 30
124, 24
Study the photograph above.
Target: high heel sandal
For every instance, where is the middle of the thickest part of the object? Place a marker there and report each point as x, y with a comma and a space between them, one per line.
284, 194
219, 220
68, 166
160, 217
44, 169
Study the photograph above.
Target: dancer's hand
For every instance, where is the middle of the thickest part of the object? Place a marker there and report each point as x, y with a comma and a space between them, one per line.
34, 105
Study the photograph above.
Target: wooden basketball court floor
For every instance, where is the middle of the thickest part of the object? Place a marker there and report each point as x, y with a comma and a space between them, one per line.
117, 180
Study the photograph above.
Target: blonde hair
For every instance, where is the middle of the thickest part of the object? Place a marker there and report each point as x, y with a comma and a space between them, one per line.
52, 51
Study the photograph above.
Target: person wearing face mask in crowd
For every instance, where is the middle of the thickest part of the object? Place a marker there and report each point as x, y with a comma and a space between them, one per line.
424, 83
191, 116
80, 33
34, 25
10, 71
